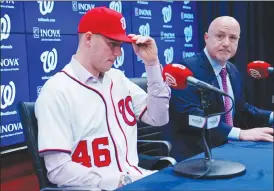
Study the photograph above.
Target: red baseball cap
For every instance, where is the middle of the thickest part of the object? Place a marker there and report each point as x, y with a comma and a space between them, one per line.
105, 21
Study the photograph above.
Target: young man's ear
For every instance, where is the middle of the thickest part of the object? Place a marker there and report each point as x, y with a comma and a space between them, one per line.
87, 38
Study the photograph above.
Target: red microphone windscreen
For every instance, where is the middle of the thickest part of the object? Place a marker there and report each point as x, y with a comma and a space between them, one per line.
258, 69
175, 75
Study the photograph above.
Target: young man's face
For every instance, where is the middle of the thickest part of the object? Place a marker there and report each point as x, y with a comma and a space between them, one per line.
104, 52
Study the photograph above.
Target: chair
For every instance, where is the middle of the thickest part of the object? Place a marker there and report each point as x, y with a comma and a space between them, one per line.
29, 122
149, 137
149, 140
30, 128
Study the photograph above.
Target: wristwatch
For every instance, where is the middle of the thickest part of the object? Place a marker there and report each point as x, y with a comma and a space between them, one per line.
125, 179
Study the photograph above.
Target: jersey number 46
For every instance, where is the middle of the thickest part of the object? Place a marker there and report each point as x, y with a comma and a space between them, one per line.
101, 156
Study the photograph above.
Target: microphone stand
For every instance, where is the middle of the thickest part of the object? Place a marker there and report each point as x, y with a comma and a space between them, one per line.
208, 167
206, 106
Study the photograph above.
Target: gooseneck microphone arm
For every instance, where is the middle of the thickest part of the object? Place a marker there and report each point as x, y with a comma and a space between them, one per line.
178, 77
203, 86
205, 104
208, 167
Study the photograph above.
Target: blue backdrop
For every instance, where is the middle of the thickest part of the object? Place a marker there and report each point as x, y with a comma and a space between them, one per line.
39, 38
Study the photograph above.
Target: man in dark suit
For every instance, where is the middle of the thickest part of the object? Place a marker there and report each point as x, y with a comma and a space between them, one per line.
244, 122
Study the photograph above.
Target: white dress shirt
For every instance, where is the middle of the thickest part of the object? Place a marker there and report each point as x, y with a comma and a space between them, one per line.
217, 67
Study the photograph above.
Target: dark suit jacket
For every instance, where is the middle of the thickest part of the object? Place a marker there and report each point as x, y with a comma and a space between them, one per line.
187, 140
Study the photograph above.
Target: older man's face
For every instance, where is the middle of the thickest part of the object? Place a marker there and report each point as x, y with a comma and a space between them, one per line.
222, 39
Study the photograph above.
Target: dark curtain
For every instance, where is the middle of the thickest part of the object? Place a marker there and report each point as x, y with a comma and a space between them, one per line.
256, 42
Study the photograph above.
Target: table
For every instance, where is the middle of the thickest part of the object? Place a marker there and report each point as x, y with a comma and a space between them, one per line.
256, 156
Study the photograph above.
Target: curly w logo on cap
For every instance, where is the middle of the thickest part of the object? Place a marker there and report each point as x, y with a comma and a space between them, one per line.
105, 21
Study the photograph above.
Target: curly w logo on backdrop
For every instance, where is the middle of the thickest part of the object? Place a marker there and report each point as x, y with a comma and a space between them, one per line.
49, 60
120, 59
168, 53
8, 93
45, 7
5, 27
144, 30
116, 5
167, 13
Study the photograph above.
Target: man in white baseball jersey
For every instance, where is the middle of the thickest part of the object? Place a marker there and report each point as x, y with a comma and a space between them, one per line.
87, 113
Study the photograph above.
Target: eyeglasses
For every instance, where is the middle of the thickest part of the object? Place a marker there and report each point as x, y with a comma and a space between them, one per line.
222, 36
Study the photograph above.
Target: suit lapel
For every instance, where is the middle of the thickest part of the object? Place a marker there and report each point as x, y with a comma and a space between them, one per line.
211, 77
236, 87
233, 79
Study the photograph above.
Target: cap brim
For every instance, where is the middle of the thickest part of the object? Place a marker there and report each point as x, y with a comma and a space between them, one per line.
119, 37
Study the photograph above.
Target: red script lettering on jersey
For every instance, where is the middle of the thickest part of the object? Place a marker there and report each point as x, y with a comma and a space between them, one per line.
124, 107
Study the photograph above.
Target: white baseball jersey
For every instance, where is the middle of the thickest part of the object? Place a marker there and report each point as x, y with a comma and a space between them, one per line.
93, 121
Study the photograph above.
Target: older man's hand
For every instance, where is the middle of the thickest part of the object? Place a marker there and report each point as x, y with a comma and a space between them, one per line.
257, 134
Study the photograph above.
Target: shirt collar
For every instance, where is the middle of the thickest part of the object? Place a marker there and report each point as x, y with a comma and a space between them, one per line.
81, 72
217, 67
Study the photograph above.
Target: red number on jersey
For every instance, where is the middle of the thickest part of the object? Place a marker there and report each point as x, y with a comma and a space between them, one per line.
123, 106
97, 153
80, 154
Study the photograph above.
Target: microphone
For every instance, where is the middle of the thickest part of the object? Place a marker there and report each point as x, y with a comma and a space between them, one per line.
178, 76
259, 69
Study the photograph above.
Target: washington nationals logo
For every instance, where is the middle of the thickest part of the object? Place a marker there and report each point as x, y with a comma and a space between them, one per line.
119, 60
125, 109
116, 5
170, 80
8, 93
45, 6
49, 59
144, 30
5, 27
167, 13
188, 33
123, 22
168, 53
255, 73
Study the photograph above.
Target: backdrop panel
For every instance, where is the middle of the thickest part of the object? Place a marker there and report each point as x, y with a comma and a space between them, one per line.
12, 17
46, 58
39, 38
14, 88
63, 17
